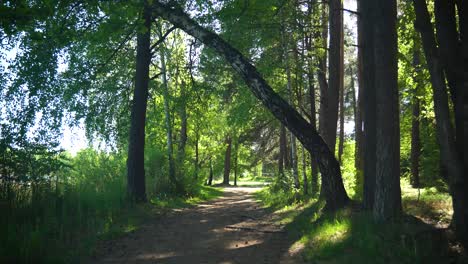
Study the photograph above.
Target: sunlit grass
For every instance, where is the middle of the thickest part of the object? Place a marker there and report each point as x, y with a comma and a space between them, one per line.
352, 236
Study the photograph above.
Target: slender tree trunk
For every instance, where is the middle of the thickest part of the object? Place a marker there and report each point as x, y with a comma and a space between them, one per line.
236, 157
197, 154
415, 134
290, 99
335, 72
167, 114
322, 74
341, 134
334, 191
365, 27
210, 178
282, 150
313, 122
136, 146
387, 203
304, 173
227, 160
359, 147
448, 150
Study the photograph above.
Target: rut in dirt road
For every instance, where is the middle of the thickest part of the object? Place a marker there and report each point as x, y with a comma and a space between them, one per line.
230, 229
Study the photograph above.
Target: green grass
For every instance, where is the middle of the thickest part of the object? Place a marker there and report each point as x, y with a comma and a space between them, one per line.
352, 236
64, 227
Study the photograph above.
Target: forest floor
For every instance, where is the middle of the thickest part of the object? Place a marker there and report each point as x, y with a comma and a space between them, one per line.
234, 228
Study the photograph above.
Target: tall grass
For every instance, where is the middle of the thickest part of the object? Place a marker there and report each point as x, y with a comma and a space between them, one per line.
59, 220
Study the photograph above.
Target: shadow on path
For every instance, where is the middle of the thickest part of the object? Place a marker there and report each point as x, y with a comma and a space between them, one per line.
230, 229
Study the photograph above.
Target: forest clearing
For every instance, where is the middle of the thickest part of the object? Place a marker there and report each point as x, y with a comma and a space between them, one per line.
237, 131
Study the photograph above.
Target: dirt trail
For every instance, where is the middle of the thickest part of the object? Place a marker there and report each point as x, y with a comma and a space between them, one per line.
231, 229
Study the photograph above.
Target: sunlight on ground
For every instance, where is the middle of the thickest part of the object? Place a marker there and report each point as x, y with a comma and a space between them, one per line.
243, 244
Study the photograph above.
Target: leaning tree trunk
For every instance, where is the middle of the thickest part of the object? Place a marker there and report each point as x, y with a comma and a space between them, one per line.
334, 191
448, 149
387, 204
136, 145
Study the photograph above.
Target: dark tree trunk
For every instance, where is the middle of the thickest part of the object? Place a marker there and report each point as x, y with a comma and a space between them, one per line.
359, 133
305, 181
210, 178
415, 134
387, 204
227, 161
335, 72
136, 146
334, 191
357, 136
322, 74
448, 150
197, 154
236, 157
282, 150
341, 134
365, 25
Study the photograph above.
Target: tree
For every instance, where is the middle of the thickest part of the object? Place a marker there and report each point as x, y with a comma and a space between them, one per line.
334, 191
135, 163
448, 150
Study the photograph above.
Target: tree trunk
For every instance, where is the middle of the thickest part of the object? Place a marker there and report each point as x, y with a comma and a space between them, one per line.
313, 122
167, 113
197, 154
304, 174
415, 135
322, 75
227, 161
365, 27
448, 149
334, 191
210, 178
357, 136
136, 145
359, 133
290, 100
387, 204
236, 157
282, 150
341, 134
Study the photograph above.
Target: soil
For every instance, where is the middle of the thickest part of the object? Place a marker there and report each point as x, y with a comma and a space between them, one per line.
231, 229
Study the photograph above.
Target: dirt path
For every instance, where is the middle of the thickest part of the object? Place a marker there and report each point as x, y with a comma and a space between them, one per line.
230, 229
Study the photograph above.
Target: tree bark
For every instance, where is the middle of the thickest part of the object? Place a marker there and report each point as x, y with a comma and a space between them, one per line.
365, 27
282, 150
415, 134
136, 187
334, 191
305, 181
335, 72
448, 150
387, 204
227, 161
210, 178
358, 121
357, 135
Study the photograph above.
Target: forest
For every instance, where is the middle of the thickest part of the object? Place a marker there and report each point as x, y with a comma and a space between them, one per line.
234, 131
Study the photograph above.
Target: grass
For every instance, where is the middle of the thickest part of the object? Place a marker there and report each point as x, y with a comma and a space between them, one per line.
65, 226
352, 236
